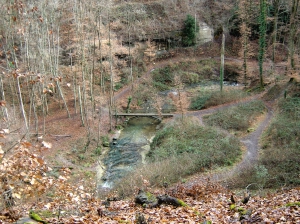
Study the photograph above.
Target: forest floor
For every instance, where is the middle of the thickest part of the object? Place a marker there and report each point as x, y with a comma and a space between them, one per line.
68, 135
206, 199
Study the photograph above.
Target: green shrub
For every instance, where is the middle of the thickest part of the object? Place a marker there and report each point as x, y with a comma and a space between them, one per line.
189, 31
206, 71
160, 86
104, 138
290, 108
207, 99
188, 137
143, 93
281, 152
118, 86
273, 92
98, 151
81, 157
163, 75
238, 117
190, 72
285, 129
262, 175
231, 95
179, 150
198, 102
189, 77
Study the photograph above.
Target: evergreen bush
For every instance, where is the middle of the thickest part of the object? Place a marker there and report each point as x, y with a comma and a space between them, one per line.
189, 31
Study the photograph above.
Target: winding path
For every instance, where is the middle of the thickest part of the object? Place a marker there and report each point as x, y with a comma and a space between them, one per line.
251, 141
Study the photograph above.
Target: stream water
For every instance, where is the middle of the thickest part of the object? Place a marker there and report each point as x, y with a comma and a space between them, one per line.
128, 150
130, 146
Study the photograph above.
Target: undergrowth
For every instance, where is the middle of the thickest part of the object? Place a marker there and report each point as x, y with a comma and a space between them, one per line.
281, 145
237, 118
273, 92
205, 98
189, 72
188, 137
182, 149
279, 161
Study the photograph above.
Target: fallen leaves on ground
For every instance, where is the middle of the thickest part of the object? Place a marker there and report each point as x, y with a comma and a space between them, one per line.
28, 183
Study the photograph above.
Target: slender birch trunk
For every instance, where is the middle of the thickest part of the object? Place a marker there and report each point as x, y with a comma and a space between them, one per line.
262, 40
111, 92
293, 31
274, 36
222, 63
4, 109
81, 107
21, 104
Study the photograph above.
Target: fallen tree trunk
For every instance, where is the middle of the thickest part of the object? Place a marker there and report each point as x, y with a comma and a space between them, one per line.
166, 199
149, 200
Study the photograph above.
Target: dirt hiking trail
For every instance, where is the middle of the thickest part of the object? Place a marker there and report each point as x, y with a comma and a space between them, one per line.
251, 142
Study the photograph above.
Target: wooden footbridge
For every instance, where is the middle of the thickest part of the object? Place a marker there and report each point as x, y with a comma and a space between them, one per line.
144, 115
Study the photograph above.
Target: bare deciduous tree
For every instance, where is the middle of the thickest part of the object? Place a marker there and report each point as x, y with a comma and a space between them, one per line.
180, 101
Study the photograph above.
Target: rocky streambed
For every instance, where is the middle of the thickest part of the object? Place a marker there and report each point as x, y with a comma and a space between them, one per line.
127, 150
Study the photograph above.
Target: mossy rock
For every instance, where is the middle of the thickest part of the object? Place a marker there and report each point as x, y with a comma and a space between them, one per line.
290, 204
242, 211
144, 198
150, 197
105, 144
182, 203
232, 206
250, 130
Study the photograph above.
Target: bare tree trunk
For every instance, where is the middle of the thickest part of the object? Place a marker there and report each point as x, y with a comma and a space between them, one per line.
245, 13
245, 57
44, 100
21, 104
181, 101
13, 90
33, 106
222, 63
129, 50
293, 31
4, 109
262, 39
92, 78
81, 107
36, 119
111, 91
99, 126
63, 98
274, 36
57, 82
158, 105
74, 85
102, 83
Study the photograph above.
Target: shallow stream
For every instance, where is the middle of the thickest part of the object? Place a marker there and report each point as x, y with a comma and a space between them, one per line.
128, 150
130, 146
